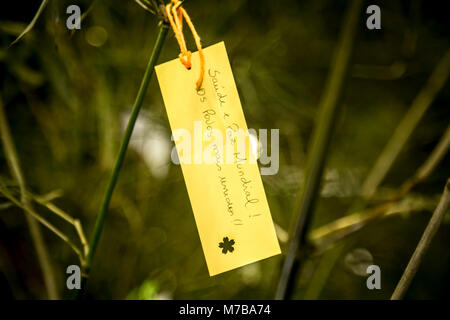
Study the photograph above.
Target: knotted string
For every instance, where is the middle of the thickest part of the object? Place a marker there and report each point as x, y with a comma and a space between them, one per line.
176, 13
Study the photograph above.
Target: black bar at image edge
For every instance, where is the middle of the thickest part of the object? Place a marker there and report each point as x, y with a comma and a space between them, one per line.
219, 309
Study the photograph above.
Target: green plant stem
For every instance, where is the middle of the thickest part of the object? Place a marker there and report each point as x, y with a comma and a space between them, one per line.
409, 122
319, 148
423, 245
322, 272
35, 230
28, 208
343, 227
32, 23
328, 234
122, 151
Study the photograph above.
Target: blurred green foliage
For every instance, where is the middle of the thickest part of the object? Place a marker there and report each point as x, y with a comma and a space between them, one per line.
67, 96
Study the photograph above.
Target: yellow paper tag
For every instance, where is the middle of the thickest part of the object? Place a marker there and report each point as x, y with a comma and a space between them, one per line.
221, 174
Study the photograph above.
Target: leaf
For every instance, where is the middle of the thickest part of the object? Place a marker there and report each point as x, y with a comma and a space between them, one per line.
5, 205
12, 27
32, 23
358, 260
146, 291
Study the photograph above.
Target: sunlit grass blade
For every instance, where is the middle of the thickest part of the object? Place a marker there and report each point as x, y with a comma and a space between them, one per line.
32, 23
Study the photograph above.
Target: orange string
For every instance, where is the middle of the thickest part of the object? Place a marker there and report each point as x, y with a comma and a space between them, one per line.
175, 13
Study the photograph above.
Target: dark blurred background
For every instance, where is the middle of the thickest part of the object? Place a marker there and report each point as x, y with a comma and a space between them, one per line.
67, 96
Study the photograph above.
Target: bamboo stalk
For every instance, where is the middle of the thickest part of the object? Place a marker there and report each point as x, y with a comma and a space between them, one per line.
423, 245
407, 125
43, 221
327, 234
35, 230
340, 228
319, 148
122, 151
65, 216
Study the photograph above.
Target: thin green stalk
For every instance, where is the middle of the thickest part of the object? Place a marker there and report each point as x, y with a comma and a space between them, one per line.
32, 23
35, 230
29, 209
328, 234
322, 272
407, 125
319, 148
423, 245
122, 151
353, 222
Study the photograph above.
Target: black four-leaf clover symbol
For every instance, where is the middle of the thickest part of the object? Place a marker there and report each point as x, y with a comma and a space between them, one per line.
226, 245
